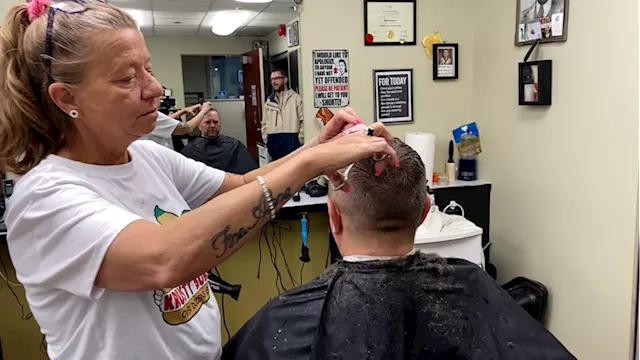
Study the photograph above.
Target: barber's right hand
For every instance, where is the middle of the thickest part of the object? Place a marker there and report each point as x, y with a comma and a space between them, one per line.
332, 156
206, 106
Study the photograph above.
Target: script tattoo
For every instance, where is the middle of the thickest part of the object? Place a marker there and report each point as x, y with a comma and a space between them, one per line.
227, 239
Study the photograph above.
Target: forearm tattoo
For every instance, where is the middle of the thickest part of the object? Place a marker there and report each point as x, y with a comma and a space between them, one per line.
226, 239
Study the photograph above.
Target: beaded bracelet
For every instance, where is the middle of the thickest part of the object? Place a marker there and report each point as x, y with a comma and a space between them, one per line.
267, 196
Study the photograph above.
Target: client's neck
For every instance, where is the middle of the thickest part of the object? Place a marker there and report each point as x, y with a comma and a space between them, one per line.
376, 244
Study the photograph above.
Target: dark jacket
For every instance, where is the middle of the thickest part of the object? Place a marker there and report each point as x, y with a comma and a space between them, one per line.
418, 307
223, 153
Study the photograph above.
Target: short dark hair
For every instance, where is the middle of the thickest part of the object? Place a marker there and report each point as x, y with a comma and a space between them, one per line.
342, 61
281, 71
393, 201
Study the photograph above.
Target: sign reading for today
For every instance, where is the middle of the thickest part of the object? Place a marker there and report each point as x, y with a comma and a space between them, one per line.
393, 96
330, 78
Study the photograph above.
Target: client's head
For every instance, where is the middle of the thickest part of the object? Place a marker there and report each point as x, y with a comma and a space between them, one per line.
210, 124
381, 213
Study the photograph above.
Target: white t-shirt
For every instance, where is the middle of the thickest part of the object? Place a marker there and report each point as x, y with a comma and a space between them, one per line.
62, 219
163, 131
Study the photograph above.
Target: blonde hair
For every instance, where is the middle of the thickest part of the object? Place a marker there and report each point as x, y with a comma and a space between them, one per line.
31, 125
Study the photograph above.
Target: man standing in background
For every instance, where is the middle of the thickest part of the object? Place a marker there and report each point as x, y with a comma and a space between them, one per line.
282, 118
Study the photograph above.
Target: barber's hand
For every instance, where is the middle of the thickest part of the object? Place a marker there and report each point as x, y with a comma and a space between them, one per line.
193, 109
341, 152
345, 117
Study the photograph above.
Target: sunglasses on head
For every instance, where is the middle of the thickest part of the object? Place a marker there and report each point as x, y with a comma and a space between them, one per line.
67, 7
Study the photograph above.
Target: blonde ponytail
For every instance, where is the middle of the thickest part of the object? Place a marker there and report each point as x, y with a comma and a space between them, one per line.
31, 125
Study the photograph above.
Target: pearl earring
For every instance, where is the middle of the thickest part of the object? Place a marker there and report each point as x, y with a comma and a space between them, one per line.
73, 113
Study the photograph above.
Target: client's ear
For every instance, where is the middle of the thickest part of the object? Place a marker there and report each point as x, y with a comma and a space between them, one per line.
425, 211
335, 218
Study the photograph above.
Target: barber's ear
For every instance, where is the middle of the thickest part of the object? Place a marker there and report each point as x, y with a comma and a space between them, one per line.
425, 210
63, 97
335, 218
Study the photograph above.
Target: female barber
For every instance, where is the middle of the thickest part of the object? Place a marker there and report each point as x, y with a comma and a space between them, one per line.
112, 237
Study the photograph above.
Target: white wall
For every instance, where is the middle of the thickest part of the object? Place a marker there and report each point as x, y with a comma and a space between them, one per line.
166, 56
438, 107
565, 177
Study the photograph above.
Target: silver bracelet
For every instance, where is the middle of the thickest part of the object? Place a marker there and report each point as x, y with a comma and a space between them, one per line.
267, 195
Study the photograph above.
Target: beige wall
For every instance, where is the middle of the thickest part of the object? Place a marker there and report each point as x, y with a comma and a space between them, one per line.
438, 107
277, 44
565, 177
166, 56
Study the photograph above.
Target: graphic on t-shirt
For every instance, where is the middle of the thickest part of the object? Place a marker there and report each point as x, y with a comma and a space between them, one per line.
180, 304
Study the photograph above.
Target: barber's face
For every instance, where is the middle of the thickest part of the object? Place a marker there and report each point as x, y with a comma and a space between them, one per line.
210, 125
118, 98
278, 81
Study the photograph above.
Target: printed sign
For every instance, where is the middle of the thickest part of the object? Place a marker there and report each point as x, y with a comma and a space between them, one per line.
393, 95
330, 78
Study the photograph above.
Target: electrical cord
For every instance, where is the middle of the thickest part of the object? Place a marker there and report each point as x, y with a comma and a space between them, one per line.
224, 315
301, 269
7, 280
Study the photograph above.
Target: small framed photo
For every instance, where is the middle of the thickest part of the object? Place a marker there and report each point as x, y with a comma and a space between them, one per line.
293, 34
544, 20
535, 83
445, 62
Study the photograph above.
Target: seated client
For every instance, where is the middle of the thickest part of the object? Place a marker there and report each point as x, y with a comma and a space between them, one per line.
219, 151
384, 302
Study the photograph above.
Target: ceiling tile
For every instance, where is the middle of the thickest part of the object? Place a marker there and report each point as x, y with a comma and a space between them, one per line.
132, 4
231, 4
177, 22
181, 15
273, 23
178, 6
276, 7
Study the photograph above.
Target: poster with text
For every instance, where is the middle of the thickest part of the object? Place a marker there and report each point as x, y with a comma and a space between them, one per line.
330, 78
393, 96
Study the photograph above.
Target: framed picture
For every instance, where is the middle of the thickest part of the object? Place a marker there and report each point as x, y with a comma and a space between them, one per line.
390, 22
544, 20
293, 34
393, 96
445, 61
534, 82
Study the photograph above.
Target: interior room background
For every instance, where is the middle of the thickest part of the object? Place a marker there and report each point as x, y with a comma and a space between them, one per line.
564, 178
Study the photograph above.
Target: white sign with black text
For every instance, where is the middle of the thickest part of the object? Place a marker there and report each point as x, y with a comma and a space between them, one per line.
330, 78
393, 95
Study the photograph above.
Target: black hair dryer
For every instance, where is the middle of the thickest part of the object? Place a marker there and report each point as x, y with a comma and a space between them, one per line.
222, 287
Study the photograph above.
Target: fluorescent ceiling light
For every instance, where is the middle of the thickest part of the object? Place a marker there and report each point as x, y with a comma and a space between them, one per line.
225, 23
255, 1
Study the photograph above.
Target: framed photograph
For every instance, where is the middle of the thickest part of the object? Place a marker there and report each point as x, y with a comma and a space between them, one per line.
445, 61
393, 96
390, 22
534, 83
293, 34
544, 20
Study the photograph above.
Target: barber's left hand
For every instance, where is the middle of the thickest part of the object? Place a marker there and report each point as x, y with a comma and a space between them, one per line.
334, 130
347, 116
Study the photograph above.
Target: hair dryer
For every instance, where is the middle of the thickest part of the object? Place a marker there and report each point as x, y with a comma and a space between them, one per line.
222, 287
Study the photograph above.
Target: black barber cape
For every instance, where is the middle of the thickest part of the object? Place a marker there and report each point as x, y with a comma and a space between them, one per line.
223, 153
417, 307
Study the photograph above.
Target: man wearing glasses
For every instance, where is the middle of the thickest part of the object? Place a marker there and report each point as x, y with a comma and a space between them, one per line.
282, 116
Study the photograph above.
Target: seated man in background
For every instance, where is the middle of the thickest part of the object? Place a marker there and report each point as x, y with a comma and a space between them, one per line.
219, 151
169, 125
382, 301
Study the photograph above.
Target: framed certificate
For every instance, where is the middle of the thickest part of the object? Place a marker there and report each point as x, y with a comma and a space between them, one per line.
389, 22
